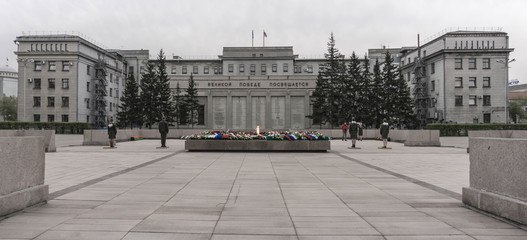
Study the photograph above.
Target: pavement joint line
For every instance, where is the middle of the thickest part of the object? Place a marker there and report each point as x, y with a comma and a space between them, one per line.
282, 193
407, 178
73, 188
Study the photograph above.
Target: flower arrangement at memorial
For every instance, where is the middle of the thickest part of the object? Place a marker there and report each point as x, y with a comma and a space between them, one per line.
271, 135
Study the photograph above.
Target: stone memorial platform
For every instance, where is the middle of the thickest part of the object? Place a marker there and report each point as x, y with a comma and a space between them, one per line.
258, 145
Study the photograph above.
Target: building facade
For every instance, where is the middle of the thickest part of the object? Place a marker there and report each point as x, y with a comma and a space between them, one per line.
460, 77
8, 82
65, 78
246, 87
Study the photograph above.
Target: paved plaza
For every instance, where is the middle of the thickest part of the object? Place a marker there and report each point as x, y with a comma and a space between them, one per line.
139, 192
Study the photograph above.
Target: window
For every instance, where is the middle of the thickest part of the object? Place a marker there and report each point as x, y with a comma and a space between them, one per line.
131, 70
184, 70
432, 85
486, 100
36, 101
52, 66
486, 82
173, 70
201, 115
286, 67
471, 63
87, 86
459, 82
36, 83
432, 68
231, 68
87, 119
142, 70
111, 77
195, 69
263, 68
111, 94
51, 82
486, 117
408, 77
472, 100
206, 70
220, 69
298, 69
274, 67
242, 68
65, 118
87, 103
253, 68
51, 101
111, 107
458, 63
216, 71
38, 65
65, 101
486, 63
66, 66
309, 68
51, 118
36, 117
88, 70
65, 83
472, 82
117, 80
459, 100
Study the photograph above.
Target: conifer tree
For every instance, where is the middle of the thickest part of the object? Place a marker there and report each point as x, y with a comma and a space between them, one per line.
367, 98
130, 109
191, 102
377, 95
351, 90
389, 76
149, 103
404, 115
164, 106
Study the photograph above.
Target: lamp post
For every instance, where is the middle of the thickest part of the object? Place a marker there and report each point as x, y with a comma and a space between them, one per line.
25, 61
506, 62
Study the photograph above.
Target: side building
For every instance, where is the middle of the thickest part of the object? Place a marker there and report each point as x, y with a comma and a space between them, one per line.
246, 87
460, 77
65, 78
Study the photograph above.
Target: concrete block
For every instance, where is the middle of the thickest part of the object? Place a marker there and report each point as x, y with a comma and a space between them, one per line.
21, 173
48, 136
422, 138
501, 205
470, 196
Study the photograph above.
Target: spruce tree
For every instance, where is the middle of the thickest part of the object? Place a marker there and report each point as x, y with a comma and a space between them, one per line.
191, 102
330, 79
162, 90
367, 99
404, 114
377, 95
351, 90
389, 76
319, 102
130, 109
149, 97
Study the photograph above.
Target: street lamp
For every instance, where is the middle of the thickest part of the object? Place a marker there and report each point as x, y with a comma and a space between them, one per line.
25, 61
506, 62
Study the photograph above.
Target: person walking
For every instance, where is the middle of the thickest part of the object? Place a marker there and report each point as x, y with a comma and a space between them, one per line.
112, 132
384, 130
354, 129
344, 127
163, 130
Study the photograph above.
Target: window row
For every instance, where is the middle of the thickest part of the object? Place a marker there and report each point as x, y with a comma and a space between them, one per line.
472, 63
37, 83
473, 44
49, 47
51, 118
472, 82
37, 101
52, 65
473, 100
195, 70
111, 106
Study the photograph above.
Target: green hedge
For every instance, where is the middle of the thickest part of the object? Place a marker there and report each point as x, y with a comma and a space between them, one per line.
59, 127
462, 129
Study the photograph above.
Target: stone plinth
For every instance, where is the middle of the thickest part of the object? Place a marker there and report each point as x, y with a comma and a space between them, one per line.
497, 177
21, 173
258, 145
47, 135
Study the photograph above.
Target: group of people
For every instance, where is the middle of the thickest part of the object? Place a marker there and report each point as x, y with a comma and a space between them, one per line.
355, 130
162, 126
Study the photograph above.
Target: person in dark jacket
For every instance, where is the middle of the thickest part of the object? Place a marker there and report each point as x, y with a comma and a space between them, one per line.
354, 129
163, 130
384, 130
112, 132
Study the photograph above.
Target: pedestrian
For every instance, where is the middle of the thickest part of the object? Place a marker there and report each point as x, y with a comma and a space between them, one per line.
384, 130
354, 129
360, 131
112, 132
163, 130
344, 127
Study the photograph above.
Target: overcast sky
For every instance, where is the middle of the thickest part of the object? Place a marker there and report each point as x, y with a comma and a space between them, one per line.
200, 28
